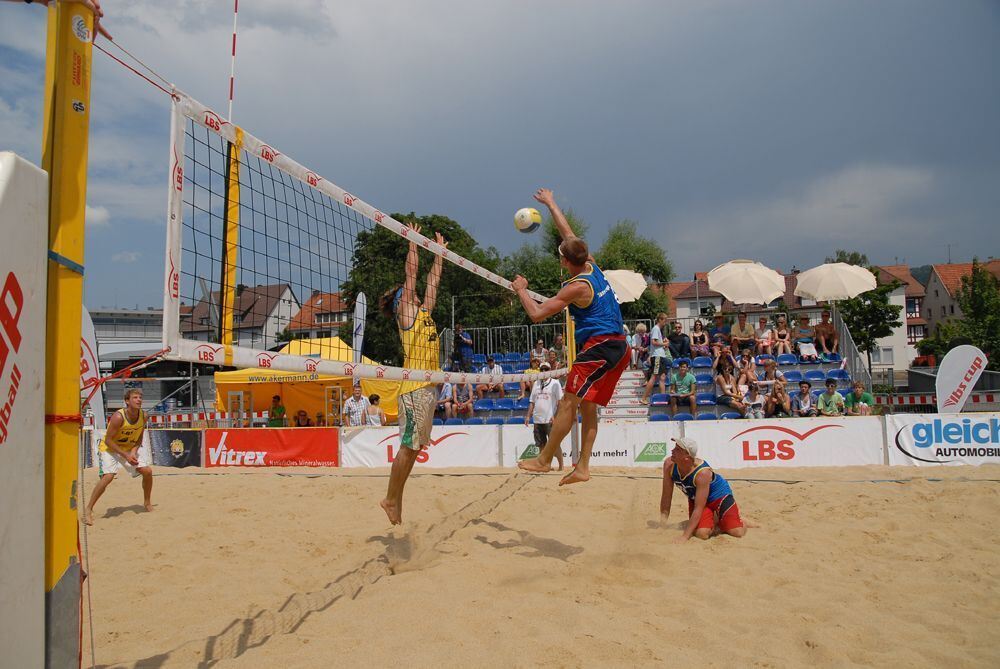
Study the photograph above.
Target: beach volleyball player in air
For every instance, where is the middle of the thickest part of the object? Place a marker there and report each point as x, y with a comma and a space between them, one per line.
417, 399
602, 351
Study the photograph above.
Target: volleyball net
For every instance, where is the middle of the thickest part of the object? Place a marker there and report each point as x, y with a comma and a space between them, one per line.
267, 262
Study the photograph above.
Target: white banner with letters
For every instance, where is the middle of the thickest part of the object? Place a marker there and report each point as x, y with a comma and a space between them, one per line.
651, 442
451, 446
957, 375
943, 439
794, 442
617, 444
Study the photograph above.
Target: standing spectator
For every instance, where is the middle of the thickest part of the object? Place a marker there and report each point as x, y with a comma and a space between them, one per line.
494, 368
302, 419
539, 353
462, 354
718, 334
640, 347
276, 414
753, 401
461, 400
355, 408
525, 386
726, 390
804, 340
445, 403
699, 340
826, 335
831, 403
320, 419
659, 358
554, 361
742, 335
778, 403
545, 396
765, 335
374, 415
682, 387
803, 405
559, 346
859, 402
680, 343
782, 336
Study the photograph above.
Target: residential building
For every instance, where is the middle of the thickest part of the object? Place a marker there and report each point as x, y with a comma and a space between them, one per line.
260, 314
940, 303
913, 298
322, 315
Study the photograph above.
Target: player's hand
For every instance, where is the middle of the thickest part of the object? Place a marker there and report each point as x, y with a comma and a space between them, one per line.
414, 227
95, 7
519, 283
439, 238
130, 457
680, 540
545, 196
525, 421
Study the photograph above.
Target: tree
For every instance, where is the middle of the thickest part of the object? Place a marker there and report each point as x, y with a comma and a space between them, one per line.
979, 299
552, 238
870, 316
625, 248
284, 336
849, 257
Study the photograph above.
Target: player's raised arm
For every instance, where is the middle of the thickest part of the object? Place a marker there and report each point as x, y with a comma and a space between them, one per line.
571, 292
434, 276
545, 196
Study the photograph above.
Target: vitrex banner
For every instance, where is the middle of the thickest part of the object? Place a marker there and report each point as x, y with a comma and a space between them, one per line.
271, 447
175, 448
799, 442
451, 446
943, 439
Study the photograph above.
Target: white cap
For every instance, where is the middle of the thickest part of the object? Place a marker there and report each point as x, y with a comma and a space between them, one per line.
688, 444
544, 365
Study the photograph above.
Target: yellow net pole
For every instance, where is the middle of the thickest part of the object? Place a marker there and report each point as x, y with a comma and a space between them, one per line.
64, 157
231, 243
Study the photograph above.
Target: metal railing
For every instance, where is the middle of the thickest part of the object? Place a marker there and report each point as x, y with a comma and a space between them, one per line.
853, 358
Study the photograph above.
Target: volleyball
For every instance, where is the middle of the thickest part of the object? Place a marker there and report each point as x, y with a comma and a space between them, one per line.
527, 219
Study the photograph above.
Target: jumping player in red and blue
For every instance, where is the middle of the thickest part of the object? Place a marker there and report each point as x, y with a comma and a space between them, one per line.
710, 499
602, 351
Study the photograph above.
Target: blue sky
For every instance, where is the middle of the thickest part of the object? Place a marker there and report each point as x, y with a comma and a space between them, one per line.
775, 130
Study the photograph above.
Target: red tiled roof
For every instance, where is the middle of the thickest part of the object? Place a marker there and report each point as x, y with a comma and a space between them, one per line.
319, 303
916, 320
697, 288
951, 275
902, 273
254, 305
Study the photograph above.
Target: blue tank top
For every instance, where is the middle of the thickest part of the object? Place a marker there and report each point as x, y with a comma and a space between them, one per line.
601, 316
718, 489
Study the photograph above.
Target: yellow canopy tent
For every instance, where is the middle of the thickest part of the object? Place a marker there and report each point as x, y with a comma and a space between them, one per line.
302, 390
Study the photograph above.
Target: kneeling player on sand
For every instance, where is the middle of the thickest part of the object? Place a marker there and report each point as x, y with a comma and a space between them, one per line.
710, 499
122, 447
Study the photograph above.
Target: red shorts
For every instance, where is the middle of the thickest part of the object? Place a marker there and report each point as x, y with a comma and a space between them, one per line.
724, 508
597, 368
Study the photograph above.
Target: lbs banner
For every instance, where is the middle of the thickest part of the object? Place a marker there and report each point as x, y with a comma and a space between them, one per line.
451, 446
271, 447
175, 448
943, 439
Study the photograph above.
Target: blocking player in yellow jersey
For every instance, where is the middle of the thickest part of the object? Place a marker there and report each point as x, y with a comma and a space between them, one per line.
421, 350
122, 447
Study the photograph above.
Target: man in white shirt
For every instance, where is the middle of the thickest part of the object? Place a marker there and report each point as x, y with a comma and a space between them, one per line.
544, 399
355, 408
491, 367
659, 357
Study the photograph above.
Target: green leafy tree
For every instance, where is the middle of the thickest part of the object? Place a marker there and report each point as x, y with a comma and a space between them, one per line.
551, 237
284, 336
870, 316
625, 248
979, 299
849, 257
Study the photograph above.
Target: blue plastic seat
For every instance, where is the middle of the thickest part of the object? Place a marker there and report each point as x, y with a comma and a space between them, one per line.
494, 420
503, 404
518, 368
761, 359
478, 359
512, 357
701, 361
659, 400
705, 399
804, 361
474, 421
793, 376
526, 357
730, 415
843, 392
437, 421
515, 420
660, 418
833, 357
792, 394
677, 362
706, 416
704, 379
454, 421
814, 376
522, 404
683, 416
839, 375
512, 387
483, 405
816, 393
787, 359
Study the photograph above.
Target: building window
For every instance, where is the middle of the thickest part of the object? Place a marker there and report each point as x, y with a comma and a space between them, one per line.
883, 356
912, 307
944, 311
936, 293
915, 333
322, 334
951, 307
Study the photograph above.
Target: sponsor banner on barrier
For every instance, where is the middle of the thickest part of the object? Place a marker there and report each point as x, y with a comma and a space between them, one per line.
943, 439
175, 448
519, 444
617, 444
794, 442
651, 442
451, 446
271, 447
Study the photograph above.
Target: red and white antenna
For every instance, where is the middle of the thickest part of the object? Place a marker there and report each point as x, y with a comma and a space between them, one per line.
232, 64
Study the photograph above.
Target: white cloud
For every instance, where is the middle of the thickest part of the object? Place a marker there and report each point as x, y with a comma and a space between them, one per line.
98, 217
126, 257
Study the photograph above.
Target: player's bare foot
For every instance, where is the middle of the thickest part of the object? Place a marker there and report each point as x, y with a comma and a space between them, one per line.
575, 476
392, 511
88, 517
149, 506
535, 466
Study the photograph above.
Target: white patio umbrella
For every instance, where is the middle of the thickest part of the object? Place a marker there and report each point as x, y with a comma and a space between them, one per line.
628, 285
746, 282
834, 281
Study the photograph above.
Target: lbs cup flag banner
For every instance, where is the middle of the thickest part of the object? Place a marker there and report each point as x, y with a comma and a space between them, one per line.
451, 446
798, 442
958, 373
175, 448
943, 439
271, 447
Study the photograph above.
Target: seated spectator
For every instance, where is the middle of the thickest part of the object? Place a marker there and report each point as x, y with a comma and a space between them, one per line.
525, 386
462, 354
782, 337
682, 389
826, 336
742, 335
765, 335
753, 402
746, 368
804, 339
802, 405
726, 390
445, 403
726, 356
772, 377
680, 343
831, 403
555, 362
539, 353
355, 408
859, 402
374, 415
640, 347
461, 400
302, 419
699, 340
719, 336
778, 404
491, 367
559, 347
320, 419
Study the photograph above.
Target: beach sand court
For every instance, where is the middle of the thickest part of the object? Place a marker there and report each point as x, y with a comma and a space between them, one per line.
299, 568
